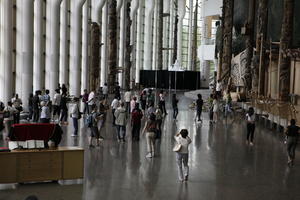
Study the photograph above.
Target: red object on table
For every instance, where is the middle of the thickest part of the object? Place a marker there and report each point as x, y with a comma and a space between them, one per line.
23, 132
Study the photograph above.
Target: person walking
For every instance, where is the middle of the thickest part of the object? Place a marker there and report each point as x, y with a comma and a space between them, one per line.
292, 132
105, 91
121, 121
45, 113
150, 130
250, 118
85, 99
210, 107
133, 103
182, 155
93, 117
75, 115
143, 100
114, 106
199, 104
8, 120
127, 98
162, 102
56, 105
175, 106
64, 110
136, 121
91, 100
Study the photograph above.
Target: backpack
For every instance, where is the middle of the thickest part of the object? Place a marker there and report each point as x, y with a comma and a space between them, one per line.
89, 121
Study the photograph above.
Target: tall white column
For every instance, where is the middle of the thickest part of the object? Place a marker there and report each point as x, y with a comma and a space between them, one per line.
103, 74
121, 13
97, 6
75, 46
181, 14
133, 37
24, 49
171, 33
155, 35
139, 44
190, 44
166, 30
63, 43
52, 45
38, 46
6, 47
85, 35
149, 8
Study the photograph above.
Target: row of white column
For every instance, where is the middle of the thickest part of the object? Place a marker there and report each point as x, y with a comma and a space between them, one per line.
60, 29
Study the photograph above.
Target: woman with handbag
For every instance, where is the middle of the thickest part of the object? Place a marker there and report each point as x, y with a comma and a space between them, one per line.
182, 154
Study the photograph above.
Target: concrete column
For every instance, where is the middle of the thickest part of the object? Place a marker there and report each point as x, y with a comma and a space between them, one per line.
6, 47
38, 46
139, 45
205, 64
121, 13
171, 33
103, 71
167, 5
97, 6
149, 8
64, 43
190, 44
155, 35
181, 14
75, 46
52, 45
24, 49
133, 37
85, 35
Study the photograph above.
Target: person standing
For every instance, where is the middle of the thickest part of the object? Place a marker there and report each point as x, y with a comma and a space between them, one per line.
159, 118
36, 107
133, 104
150, 130
250, 118
45, 113
91, 100
75, 115
8, 120
292, 132
182, 156
210, 106
64, 90
105, 91
143, 100
64, 109
199, 104
215, 109
136, 121
85, 99
93, 116
117, 91
17, 104
30, 106
56, 104
127, 98
219, 89
162, 102
121, 121
150, 98
175, 106
114, 106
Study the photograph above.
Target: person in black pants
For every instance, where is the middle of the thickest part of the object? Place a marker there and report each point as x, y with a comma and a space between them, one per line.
136, 117
64, 109
292, 133
199, 103
36, 106
250, 117
162, 102
175, 106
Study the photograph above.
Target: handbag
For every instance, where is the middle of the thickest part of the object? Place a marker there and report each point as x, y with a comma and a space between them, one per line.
177, 147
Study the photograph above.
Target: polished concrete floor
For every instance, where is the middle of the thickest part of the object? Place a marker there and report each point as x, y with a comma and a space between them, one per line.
222, 166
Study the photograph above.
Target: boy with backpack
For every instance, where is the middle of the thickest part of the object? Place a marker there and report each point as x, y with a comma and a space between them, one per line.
92, 123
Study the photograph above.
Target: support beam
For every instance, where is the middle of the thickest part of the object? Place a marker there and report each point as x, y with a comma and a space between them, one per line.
104, 39
128, 48
6, 50
39, 46
160, 35
75, 46
285, 44
52, 45
190, 38
24, 49
139, 44
121, 49
181, 14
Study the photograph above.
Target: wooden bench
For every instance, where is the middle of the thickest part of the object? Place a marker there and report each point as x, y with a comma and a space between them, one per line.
62, 163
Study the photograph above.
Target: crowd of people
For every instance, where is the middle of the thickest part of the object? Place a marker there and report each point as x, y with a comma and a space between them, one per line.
137, 108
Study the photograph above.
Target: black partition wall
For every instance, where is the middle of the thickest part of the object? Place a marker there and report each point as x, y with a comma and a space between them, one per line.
184, 80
